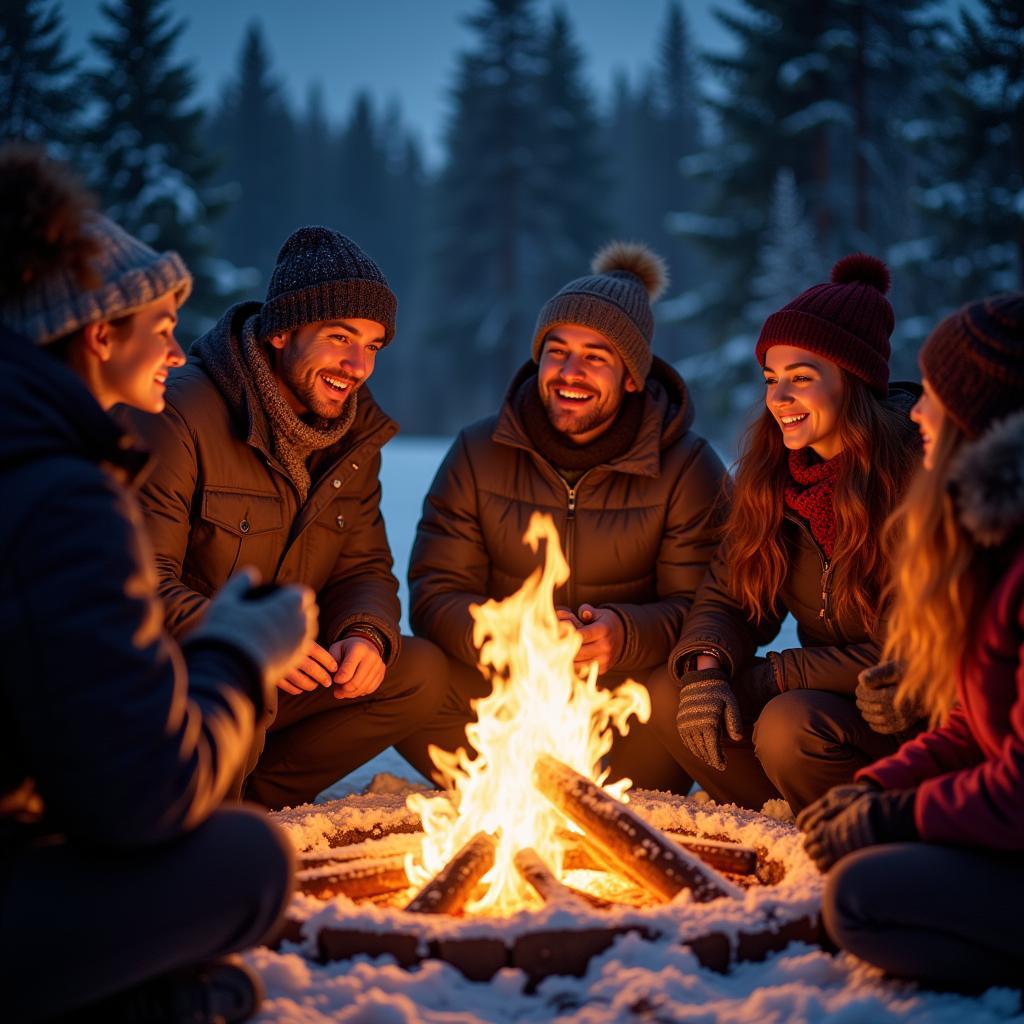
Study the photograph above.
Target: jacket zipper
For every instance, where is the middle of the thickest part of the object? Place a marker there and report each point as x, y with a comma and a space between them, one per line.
570, 534
826, 574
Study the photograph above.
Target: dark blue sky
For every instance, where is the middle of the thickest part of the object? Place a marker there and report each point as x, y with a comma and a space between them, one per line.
402, 49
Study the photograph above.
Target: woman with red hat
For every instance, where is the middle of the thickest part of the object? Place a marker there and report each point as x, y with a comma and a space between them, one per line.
820, 471
928, 841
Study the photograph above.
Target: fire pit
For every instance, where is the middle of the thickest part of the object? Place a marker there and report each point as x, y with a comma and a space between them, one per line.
528, 859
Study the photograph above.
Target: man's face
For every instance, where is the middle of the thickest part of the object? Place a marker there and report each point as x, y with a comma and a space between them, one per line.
320, 365
582, 381
140, 353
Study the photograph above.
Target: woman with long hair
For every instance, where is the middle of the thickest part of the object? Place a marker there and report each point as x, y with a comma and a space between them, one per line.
928, 841
820, 470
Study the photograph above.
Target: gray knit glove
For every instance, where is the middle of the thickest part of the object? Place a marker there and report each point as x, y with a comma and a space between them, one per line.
876, 699
706, 704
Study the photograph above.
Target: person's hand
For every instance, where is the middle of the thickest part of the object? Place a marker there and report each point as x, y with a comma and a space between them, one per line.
360, 667
831, 803
603, 636
272, 630
877, 689
706, 706
316, 668
872, 817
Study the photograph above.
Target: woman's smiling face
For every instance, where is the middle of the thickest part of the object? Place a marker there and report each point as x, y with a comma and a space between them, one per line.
804, 392
928, 414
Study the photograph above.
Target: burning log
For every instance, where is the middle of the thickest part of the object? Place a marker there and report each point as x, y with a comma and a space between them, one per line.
641, 852
356, 879
448, 890
529, 864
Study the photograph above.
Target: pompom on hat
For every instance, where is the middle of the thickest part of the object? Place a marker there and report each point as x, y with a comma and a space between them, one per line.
77, 266
848, 321
615, 300
974, 361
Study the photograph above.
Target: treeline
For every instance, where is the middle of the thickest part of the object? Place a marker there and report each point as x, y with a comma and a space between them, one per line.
826, 126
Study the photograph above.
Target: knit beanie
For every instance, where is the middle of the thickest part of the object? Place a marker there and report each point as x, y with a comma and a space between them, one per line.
322, 275
615, 300
848, 321
126, 275
974, 361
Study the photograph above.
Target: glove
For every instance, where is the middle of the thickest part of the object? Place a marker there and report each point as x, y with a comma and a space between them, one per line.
272, 630
754, 687
876, 698
836, 800
871, 818
706, 703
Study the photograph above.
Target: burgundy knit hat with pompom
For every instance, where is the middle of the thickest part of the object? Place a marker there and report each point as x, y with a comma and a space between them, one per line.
848, 321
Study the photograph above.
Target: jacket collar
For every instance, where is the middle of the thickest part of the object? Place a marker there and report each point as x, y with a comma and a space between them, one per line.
668, 414
987, 480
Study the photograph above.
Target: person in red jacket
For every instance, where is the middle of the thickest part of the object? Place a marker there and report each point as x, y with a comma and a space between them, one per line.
925, 845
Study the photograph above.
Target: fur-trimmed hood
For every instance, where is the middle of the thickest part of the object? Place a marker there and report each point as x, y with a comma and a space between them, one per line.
988, 480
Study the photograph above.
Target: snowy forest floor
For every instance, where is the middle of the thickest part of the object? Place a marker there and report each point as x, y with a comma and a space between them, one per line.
635, 980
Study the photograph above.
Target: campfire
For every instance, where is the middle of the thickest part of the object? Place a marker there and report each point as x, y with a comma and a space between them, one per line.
528, 825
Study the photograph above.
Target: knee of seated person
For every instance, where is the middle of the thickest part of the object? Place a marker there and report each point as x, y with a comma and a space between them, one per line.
245, 835
849, 889
429, 670
779, 726
663, 689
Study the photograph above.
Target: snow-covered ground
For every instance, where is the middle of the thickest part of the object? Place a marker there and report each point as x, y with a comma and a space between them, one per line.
635, 980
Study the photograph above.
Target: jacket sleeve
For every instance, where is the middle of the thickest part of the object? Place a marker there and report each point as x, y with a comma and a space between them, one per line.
833, 668
131, 742
449, 565
167, 497
693, 517
950, 748
362, 587
718, 622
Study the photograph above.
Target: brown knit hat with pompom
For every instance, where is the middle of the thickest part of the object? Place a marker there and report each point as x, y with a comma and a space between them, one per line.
848, 321
614, 300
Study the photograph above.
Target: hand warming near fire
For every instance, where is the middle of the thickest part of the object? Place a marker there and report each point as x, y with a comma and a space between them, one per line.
632, 640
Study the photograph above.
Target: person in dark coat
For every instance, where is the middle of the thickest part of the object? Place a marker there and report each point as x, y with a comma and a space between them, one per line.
120, 888
928, 843
821, 469
597, 433
268, 454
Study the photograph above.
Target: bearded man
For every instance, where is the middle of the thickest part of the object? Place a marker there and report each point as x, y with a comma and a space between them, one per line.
268, 454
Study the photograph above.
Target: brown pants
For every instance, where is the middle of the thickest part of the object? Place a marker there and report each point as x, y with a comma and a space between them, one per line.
802, 743
637, 756
313, 739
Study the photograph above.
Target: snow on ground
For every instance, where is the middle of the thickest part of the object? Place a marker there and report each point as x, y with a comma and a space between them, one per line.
635, 980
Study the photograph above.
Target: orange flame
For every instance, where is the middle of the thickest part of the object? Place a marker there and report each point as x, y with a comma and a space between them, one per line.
541, 703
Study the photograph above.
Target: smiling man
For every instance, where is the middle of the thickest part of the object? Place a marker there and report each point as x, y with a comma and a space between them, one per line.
268, 454
594, 431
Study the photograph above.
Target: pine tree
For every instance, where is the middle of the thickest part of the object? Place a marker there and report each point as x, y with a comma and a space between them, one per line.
38, 101
975, 200
144, 144
254, 134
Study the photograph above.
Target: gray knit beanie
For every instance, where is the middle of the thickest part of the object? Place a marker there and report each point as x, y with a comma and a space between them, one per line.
614, 300
322, 275
129, 275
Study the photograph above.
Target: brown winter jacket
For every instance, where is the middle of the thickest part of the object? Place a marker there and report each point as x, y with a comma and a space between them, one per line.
833, 650
218, 500
637, 532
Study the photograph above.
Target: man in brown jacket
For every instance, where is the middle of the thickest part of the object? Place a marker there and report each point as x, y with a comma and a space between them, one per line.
595, 432
268, 454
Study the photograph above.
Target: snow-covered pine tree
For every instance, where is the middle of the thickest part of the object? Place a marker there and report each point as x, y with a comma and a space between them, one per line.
571, 199
144, 146
975, 200
38, 100
253, 135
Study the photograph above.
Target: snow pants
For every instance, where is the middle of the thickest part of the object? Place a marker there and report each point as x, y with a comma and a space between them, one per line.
637, 755
801, 744
77, 925
312, 739
946, 916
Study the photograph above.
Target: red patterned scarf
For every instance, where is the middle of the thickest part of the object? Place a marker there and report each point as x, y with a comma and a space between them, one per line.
809, 494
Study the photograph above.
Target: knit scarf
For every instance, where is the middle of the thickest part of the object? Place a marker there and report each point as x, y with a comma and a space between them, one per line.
294, 440
558, 449
809, 494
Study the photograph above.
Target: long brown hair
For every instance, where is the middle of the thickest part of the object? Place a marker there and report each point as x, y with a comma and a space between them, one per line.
879, 448
939, 577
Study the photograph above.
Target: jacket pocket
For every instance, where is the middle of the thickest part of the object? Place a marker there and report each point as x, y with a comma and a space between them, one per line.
235, 528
